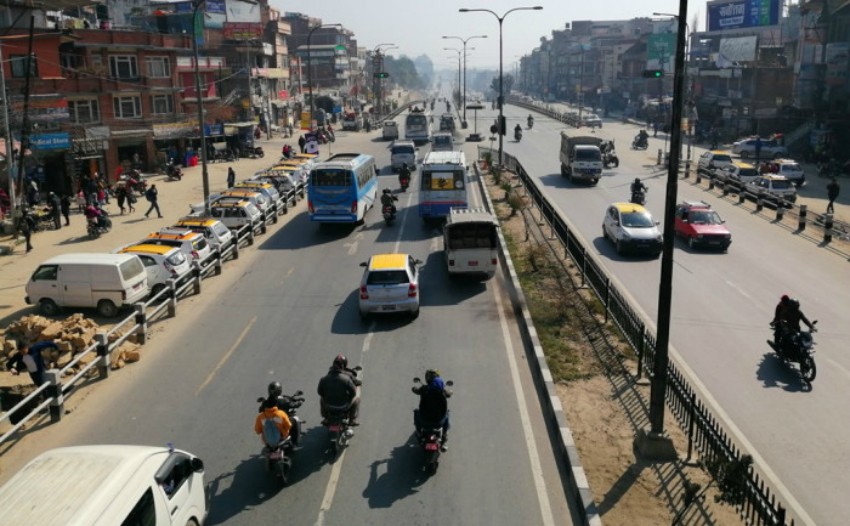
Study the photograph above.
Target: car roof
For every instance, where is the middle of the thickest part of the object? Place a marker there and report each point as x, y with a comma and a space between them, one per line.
774, 177
696, 204
230, 203
147, 248
196, 221
742, 164
388, 261
720, 152
630, 207
175, 235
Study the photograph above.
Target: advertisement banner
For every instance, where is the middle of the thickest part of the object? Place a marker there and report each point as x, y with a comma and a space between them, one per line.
660, 51
739, 49
742, 13
238, 11
837, 54
174, 129
242, 31
215, 6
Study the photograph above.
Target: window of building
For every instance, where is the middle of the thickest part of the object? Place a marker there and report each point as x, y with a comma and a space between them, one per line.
158, 67
162, 104
19, 66
127, 107
123, 66
84, 111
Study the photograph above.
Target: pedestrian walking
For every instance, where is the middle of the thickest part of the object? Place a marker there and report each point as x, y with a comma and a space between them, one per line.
121, 196
832, 190
231, 177
27, 226
152, 195
65, 205
55, 209
131, 198
302, 143
655, 129
29, 357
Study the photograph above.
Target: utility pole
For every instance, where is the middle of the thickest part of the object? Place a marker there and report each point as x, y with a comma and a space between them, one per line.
10, 141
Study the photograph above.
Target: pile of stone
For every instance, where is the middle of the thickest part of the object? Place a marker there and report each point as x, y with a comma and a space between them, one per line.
72, 336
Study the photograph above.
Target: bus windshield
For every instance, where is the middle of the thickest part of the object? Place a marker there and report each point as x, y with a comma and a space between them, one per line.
331, 177
416, 121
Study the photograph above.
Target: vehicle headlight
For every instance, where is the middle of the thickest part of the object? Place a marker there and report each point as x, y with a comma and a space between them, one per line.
624, 235
660, 238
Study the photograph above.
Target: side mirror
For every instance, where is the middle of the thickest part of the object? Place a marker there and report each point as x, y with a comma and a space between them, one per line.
417, 380
260, 400
358, 368
450, 383
363, 264
657, 223
298, 393
197, 465
418, 261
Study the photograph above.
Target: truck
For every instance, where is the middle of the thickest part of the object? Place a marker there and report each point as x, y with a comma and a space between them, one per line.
581, 158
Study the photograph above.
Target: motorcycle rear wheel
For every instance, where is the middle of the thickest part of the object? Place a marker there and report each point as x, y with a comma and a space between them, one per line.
808, 369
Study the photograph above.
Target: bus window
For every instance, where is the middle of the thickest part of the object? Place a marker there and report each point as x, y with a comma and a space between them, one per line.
331, 177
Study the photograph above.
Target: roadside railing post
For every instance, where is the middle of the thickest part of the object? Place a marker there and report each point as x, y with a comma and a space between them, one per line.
687, 168
759, 203
141, 323
827, 228
607, 298
275, 212
660, 153
691, 410
801, 221
741, 196
286, 203
54, 392
640, 345
218, 261
196, 277
780, 209
102, 355
172, 298
251, 235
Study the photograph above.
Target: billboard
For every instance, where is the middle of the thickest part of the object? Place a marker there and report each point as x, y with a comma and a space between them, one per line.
743, 13
660, 51
837, 64
215, 14
242, 30
238, 11
738, 49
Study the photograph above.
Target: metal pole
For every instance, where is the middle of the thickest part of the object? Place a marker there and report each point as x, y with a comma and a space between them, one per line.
205, 176
10, 141
25, 121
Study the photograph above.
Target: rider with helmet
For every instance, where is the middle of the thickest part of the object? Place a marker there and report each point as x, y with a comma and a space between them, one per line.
338, 390
786, 319
387, 199
277, 398
433, 407
272, 424
403, 173
638, 186
530, 121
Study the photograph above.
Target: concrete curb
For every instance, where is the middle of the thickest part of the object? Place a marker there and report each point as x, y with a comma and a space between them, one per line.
577, 485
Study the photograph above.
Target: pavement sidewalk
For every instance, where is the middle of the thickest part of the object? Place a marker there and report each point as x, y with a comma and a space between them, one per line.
174, 200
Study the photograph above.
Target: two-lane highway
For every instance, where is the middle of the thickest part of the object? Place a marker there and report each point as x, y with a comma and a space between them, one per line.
722, 304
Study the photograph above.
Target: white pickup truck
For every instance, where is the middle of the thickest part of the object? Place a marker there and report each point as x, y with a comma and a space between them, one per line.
581, 158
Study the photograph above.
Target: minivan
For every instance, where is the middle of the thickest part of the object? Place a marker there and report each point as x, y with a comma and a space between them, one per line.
106, 282
106, 485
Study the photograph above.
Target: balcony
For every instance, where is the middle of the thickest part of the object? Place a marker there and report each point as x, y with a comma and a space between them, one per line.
204, 63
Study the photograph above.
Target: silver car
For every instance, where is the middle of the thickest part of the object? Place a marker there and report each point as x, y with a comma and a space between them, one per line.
390, 284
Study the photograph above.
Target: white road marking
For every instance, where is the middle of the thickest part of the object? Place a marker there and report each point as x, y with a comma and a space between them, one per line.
531, 446
352, 247
739, 290
227, 355
838, 366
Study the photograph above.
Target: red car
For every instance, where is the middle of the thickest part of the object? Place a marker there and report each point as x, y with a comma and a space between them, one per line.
701, 226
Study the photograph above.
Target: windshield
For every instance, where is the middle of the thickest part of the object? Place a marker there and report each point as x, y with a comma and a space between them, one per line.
781, 185
637, 220
331, 177
587, 154
403, 150
472, 235
704, 217
722, 158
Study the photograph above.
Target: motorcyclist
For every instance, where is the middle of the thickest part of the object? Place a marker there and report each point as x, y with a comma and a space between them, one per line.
97, 216
338, 390
272, 424
638, 186
276, 397
387, 199
530, 121
786, 320
518, 131
642, 138
433, 405
403, 173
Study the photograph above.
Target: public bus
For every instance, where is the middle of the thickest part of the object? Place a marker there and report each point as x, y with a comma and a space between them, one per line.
471, 241
417, 128
342, 188
443, 184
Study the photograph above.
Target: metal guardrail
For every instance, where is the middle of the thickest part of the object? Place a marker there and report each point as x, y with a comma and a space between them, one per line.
52, 393
705, 432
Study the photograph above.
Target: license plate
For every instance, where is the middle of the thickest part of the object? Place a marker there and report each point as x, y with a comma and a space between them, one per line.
333, 427
275, 455
473, 263
431, 446
388, 307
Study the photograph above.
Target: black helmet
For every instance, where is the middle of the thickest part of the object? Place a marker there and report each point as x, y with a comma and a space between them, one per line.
430, 374
340, 362
275, 389
637, 180
386, 190
794, 304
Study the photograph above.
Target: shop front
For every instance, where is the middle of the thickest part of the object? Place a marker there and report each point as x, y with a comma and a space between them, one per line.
129, 149
170, 141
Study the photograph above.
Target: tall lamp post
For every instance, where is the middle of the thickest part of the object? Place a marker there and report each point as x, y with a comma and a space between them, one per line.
653, 443
464, 40
310, 69
379, 80
205, 175
459, 62
501, 72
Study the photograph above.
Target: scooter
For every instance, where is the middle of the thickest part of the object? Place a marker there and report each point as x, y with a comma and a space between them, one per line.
430, 436
638, 197
339, 428
98, 225
389, 214
404, 182
796, 347
518, 134
640, 143
173, 171
279, 458
610, 159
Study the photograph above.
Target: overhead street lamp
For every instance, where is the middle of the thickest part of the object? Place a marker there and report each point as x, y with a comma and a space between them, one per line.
501, 72
205, 175
310, 69
378, 75
459, 61
464, 40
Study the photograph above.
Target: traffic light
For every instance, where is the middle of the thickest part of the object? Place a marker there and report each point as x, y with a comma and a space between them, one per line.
503, 125
382, 75
653, 73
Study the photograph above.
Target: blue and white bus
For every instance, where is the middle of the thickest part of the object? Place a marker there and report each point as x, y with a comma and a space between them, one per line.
342, 188
443, 185
417, 128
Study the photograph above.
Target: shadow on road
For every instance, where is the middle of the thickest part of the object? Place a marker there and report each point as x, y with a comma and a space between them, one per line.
774, 373
401, 476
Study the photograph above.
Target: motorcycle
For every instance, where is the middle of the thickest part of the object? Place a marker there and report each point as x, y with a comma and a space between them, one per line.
96, 226
430, 435
134, 183
638, 197
530, 123
339, 428
173, 171
609, 159
389, 214
518, 134
279, 458
640, 143
796, 347
404, 182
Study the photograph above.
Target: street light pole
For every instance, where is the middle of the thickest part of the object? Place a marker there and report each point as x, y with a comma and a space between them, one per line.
205, 175
501, 71
310, 69
464, 40
458, 51
379, 82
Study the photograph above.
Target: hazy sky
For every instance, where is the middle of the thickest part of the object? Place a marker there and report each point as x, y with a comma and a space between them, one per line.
416, 26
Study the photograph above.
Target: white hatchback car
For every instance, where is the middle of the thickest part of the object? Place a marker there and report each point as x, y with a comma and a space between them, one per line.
631, 228
390, 283
161, 263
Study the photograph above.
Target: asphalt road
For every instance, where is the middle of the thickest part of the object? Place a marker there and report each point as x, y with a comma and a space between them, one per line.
722, 304
283, 311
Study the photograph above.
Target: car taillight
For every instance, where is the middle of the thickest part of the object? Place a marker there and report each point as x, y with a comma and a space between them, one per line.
364, 293
354, 207
411, 291
451, 262
493, 261
123, 294
310, 207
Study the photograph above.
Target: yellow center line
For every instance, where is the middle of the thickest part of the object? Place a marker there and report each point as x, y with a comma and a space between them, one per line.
226, 355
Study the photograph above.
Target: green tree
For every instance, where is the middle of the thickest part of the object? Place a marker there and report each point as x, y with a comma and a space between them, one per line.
509, 83
403, 72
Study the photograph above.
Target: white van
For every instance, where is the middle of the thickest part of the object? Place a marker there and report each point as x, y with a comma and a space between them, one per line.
105, 486
104, 281
471, 241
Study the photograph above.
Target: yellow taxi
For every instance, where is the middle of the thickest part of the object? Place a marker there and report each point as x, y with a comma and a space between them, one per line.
162, 262
390, 283
192, 244
216, 232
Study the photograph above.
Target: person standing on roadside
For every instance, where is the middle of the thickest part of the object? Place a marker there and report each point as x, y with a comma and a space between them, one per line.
55, 209
27, 227
302, 143
152, 195
29, 357
231, 177
121, 196
65, 205
832, 190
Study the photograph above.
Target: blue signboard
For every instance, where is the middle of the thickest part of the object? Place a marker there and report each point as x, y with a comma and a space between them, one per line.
50, 141
742, 14
215, 6
211, 130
